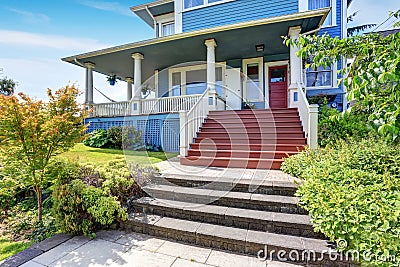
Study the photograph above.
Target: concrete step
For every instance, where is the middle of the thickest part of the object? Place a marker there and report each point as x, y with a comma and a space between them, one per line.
254, 129
258, 183
211, 145
264, 141
291, 134
274, 203
228, 162
234, 239
240, 153
272, 222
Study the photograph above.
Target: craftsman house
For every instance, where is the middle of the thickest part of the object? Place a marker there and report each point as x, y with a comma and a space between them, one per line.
217, 83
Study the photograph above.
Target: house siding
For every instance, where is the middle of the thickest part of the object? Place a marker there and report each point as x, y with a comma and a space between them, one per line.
234, 12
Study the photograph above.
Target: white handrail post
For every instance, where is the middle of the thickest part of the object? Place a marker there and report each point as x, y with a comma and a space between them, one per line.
184, 140
312, 140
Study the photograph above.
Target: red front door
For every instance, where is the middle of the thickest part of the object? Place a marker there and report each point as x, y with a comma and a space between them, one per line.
278, 90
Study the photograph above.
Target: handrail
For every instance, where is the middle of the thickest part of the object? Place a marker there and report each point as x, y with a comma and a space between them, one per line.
308, 114
168, 104
191, 121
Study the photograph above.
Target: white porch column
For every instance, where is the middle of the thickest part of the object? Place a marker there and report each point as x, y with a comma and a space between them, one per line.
129, 82
89, 82
295, 62
211, 80
137, 82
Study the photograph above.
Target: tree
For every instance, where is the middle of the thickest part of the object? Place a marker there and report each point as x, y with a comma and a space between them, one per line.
7, 86
32, 132
359, 28
373, 79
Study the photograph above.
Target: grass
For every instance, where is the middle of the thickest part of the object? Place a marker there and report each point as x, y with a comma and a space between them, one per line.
9, 248
85, 154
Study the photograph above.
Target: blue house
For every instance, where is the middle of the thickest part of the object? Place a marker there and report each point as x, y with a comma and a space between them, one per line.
216, 83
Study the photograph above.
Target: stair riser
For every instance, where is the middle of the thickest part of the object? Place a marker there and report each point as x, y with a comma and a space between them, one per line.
228, 202
220, 243
241, 125
257, 112
231, 221
222, 186
224, 119
240, 154
252, 130
251, 135
248, 147
297, 142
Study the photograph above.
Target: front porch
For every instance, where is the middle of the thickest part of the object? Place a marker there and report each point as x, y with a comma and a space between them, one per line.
223, 68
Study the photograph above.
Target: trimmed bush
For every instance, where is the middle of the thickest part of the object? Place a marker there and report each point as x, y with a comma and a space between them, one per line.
352, 192
115, 137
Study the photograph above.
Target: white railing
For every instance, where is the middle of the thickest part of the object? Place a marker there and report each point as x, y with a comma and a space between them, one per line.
308, 113
110, 109
168, 104
191, 121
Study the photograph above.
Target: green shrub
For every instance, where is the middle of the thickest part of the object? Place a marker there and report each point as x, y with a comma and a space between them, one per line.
98, 138
334, 126
82, 209
115, 137
352, 192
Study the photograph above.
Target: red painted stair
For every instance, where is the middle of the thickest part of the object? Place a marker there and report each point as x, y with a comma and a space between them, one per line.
254, 139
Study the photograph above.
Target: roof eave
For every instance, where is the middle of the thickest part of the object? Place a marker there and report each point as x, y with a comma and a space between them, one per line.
302, 15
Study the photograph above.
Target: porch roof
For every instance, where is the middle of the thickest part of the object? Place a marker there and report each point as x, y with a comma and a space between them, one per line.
234, 41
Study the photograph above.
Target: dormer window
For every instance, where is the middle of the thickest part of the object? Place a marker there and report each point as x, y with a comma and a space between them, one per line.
165, 25
167, 28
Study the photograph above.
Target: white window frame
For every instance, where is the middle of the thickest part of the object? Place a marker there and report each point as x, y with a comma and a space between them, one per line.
163, 20
206, 4
160, 27
333, 75
303, 6
260, 62
185, 69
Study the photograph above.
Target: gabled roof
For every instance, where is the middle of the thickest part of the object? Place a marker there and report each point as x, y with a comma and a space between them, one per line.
149, 10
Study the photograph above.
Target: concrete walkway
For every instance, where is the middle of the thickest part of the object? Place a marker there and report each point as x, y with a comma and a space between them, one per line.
116, 249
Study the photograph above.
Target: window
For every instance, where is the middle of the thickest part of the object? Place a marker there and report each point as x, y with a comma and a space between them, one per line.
317, 4
319, 77
193, 80
187, 4
167, 29
253, 70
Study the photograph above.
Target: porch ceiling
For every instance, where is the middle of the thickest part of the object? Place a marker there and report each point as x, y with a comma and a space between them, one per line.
234, 42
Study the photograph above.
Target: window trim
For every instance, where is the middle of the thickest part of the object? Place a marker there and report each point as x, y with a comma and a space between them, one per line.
260, 62
183, 70
162, 24
206, 4
303, 6
334, 82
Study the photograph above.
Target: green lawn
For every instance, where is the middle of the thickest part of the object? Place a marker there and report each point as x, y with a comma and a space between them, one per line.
9, 248
85, 154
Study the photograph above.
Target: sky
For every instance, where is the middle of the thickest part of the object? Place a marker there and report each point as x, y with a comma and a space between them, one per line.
35, 35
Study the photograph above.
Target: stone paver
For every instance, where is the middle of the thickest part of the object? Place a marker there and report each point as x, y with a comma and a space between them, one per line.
120, 249
187, 252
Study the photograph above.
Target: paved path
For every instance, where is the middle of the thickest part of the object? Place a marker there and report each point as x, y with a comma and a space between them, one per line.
172, 166
116, 249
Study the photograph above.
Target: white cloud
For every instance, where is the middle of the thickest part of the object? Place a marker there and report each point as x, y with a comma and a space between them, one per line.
27, 39
31, 18
108, 6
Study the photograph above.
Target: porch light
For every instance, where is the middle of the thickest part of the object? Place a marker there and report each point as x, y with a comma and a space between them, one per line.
260, 47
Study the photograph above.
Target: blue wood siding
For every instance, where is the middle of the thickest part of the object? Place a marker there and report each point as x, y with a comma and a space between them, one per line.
337, 30
236, 11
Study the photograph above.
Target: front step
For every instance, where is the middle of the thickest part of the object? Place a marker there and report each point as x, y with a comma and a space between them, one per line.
264, 141
247, 163
209, 145
274, 203
240, 154
272, 222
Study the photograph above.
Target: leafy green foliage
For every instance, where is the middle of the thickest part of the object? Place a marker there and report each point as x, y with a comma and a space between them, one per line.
372, 78
115, 137
352, 191
33, 132
334, 126
7, 86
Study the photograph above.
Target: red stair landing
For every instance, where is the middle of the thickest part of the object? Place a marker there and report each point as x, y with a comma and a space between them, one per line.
253, 139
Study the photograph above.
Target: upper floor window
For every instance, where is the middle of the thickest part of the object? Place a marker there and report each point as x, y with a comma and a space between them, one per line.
187, 4
317, 4
167, 29
320, 77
